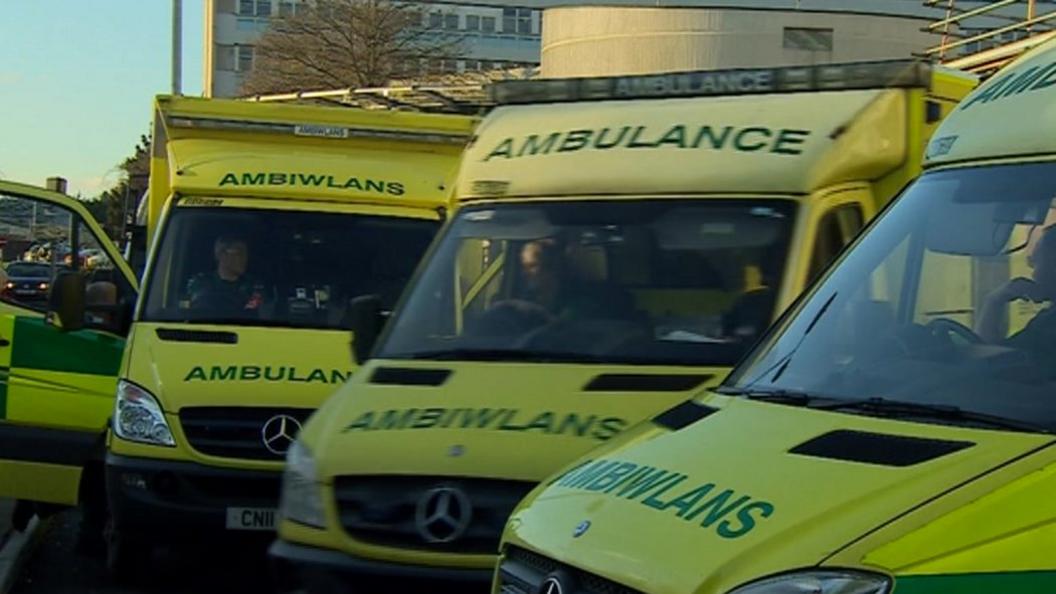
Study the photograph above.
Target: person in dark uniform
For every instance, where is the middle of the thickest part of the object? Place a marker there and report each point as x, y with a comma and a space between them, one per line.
1040, 333
229, 290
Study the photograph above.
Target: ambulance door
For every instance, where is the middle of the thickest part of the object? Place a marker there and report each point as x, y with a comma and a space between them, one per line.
56, 389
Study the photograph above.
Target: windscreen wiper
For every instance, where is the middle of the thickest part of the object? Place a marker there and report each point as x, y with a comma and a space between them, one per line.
777, 396
899, 409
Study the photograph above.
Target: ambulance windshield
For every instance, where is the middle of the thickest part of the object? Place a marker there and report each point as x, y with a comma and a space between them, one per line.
258, 267
640, 282
946, 302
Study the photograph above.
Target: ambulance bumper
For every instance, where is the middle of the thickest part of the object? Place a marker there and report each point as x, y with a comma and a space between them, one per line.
304, 568
175, 501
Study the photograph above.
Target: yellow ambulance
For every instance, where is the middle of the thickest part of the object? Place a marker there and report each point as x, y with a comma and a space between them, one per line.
267, 222
894, 433
618, 245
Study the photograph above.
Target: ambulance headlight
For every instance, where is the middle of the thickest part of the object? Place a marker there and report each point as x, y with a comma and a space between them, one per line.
138, 416
819, 582
302, 494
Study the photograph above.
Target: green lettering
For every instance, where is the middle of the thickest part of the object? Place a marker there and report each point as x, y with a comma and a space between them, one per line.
790, 142
544, 421
609, 428
197, 373
277, 179
339, 377
353, 183
744, 516
634, 143
293, 376
481, 418
740, 144
716, 508
991, 92
249, 373
311, 180
452, 415
505, 149
1047, 80
223, 373
717, 142
653, 499
317, 375
365, 421
278, 378
575, 140
612, 477
675, 136
569, 472
429, 418
395, 188
686, 501
588, 475
253, 179
505, 425
229, 178
330, 183
639, 483
397, 419
599, 142
533, 147
375, 186
1023, 81
579, 427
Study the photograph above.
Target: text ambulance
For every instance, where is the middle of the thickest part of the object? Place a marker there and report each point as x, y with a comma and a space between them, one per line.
267, 221
619, 244
893, 433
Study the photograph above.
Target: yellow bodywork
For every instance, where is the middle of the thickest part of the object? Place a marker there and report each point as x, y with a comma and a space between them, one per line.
817, 151
979, 520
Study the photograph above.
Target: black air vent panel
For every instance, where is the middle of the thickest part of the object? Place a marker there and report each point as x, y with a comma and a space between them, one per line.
645, 382
207, 336
877, 448
409, 376
683, 415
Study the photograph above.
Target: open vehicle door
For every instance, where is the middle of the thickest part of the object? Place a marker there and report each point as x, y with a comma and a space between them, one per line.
56, 388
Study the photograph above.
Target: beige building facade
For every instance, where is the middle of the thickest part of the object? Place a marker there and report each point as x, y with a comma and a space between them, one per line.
615, 40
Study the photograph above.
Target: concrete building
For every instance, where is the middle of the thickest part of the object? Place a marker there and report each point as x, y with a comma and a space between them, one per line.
704, 33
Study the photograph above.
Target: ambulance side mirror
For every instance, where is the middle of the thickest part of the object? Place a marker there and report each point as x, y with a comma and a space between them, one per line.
366, 321
66, 302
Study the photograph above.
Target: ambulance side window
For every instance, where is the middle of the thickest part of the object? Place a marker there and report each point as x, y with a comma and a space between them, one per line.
34, 249
106, 289
836, 229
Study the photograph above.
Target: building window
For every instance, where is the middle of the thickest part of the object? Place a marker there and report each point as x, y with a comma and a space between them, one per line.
451, 21
472, 22
435, 20
263, 8
225, 57
524, 21
509, 20
247, 7
809, 39
487, 24
245, 58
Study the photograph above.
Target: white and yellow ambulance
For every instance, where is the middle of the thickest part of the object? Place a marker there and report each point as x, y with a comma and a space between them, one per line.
618, 245
267, 221
894, 433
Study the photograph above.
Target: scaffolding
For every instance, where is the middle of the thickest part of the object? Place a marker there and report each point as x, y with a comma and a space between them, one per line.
465, 93
982, 36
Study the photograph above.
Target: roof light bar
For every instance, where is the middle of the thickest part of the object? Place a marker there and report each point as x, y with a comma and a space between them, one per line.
317, 130
745, 81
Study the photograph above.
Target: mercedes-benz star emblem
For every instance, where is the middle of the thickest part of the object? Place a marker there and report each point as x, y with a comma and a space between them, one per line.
279, 432
551, 585
443, 514
581, 529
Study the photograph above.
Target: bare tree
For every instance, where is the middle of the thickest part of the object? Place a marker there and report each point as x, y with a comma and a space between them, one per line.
346, 43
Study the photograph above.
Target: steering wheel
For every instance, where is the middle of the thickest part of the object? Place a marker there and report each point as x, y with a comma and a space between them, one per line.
950, 328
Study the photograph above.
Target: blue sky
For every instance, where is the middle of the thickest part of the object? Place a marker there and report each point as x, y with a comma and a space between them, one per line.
77, 78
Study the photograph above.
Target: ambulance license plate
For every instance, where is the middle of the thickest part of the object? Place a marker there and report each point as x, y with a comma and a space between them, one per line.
250, 518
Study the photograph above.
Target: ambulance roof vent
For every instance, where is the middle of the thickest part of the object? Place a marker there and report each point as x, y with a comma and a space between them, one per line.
683, 415
708, 83
646, 382
207, 336
877, 448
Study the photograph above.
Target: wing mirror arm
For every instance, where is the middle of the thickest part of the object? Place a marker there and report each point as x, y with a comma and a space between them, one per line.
366, 322
66, 302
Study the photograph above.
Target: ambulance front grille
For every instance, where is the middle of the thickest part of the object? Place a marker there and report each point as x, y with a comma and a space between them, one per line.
238, 432
523, 572
395, 511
